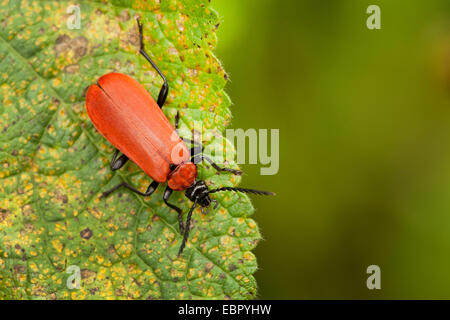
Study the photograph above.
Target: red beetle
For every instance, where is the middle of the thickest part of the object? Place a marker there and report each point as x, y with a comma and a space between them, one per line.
129, 118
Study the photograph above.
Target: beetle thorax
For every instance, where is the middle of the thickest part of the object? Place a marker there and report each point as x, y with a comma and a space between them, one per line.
182, 176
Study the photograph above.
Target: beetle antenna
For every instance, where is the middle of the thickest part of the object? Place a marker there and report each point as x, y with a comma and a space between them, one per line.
259, 192
187, 228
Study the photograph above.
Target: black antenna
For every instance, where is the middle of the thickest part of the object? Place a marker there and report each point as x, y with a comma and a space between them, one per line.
187, 228
259, 192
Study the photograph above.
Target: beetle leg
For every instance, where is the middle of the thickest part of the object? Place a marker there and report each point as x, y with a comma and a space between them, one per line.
165, 88
117, 163
198, 144
166, 196
151, 188
188, 226
196, 147
177, 121
199, 157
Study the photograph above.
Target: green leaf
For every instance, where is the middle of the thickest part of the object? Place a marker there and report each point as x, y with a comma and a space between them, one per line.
54, 165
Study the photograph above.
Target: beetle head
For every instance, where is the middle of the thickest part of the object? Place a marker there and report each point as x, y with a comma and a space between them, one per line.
199, 193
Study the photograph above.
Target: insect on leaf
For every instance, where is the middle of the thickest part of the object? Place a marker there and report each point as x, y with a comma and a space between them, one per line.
58, 240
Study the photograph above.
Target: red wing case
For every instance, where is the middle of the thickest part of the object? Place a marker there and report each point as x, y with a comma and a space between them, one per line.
127, 116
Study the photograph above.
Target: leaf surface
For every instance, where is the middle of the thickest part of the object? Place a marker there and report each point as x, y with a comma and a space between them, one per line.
54, 164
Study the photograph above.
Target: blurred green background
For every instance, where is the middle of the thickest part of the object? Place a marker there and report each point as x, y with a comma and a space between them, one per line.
364, 119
